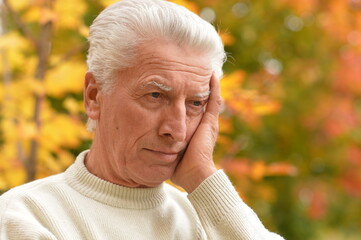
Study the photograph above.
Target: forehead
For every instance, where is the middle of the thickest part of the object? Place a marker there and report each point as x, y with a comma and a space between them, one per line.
170, 51
171, 61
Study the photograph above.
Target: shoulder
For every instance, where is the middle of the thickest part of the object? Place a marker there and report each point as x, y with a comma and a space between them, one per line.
23, 193
22, 210
33, 186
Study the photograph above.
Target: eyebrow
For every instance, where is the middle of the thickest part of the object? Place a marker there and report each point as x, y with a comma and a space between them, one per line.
159, 85
167, 89
203, 94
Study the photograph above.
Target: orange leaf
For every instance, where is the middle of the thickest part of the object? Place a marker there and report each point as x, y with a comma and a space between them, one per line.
279, 169
258, 170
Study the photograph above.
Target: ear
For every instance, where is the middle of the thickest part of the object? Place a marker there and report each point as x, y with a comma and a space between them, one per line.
91, 96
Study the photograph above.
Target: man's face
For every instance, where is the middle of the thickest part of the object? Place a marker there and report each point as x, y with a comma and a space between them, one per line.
146, 123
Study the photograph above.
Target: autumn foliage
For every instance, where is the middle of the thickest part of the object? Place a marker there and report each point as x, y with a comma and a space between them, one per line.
290, 130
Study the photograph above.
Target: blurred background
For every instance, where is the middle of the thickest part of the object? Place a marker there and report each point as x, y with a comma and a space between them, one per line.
291, 128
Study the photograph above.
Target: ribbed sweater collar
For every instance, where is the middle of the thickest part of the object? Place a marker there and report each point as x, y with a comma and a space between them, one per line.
89, 185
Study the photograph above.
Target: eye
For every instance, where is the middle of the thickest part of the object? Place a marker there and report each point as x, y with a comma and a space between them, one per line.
196, 106
155, 94
197, 103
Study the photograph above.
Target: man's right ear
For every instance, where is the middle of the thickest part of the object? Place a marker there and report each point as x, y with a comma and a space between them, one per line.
91, 96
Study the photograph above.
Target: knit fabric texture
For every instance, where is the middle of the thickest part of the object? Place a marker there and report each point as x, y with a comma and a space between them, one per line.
78, 205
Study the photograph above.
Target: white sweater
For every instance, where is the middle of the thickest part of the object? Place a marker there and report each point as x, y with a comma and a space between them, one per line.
78, 205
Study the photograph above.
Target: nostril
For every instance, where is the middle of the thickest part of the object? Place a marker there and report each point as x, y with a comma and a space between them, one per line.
173, 124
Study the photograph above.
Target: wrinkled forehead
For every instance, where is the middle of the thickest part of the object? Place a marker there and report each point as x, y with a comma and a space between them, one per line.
167, 54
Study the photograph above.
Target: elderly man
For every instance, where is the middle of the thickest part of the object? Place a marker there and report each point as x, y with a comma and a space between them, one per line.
152, 97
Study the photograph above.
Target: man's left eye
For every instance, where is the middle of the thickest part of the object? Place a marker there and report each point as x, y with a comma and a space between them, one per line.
197, 103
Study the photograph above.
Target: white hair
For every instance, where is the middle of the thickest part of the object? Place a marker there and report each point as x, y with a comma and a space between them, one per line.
118, 29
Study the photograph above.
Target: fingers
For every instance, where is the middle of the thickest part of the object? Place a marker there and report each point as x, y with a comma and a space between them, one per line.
215, 100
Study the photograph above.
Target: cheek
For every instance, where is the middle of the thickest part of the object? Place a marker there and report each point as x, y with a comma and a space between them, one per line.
133, 120
192, 125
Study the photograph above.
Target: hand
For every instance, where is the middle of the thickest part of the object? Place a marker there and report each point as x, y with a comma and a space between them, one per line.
197, 163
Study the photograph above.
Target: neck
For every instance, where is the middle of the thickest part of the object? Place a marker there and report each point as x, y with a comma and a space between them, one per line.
99, 163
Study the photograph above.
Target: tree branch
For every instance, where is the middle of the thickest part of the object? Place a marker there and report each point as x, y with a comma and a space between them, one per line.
71, 53
43, 50
20, 24
7, 80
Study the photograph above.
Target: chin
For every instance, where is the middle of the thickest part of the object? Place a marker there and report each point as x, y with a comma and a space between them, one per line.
154, 180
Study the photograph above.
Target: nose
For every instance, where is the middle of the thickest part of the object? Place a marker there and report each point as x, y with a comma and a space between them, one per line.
174, 123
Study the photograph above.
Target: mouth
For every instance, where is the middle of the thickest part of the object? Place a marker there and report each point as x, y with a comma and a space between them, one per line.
164, 155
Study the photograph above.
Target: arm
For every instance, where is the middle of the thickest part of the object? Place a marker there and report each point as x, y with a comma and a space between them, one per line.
189, 173
221, 211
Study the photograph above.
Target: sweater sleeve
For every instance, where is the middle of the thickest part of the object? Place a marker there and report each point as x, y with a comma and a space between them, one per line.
223, 213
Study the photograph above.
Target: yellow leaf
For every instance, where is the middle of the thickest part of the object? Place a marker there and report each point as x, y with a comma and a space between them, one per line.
106, 3
72, 105
19, 5
3, 184
267, 193
13, 45
52, 164
27, 106
227, 38
12, 40
266, 107
26, 130
33, 14
69, 13
8, 151
47, 15
84, 30
281, 168
20, 100
16, 58
223, 140
10, 135
65, 159
225, 125
231, 84
258, 170
1, 90
15, 177
67, 77
188, 4
61, 131
31, 65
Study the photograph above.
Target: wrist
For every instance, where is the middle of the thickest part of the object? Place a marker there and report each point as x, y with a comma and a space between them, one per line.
196, 177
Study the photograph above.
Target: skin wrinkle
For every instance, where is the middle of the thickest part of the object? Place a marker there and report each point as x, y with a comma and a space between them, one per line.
166, 76
168, 89
171, 63
202, 95
172, 66
150, 75
190, 72
159, 85
140, 136
156, 60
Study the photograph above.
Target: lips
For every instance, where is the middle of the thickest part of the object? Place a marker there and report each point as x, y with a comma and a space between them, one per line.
164, 155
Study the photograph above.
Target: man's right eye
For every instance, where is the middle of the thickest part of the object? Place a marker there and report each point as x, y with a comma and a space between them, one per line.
155, 94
